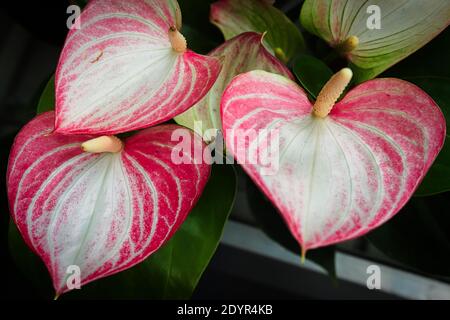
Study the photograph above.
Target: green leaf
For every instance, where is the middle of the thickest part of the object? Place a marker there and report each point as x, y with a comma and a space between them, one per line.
361, 75
173, 271
404, 27
270, 221
418, 237
47, 99
312, 73
438, 177
234, 17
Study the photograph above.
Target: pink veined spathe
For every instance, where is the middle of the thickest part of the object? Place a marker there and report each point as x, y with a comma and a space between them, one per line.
341, 176
101, 212
119, 72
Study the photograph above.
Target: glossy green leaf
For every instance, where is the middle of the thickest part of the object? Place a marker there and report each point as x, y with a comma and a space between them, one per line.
234, 17
173, 271
417, 238
438, 177
312, 73
47, 99
273, 225
404, 27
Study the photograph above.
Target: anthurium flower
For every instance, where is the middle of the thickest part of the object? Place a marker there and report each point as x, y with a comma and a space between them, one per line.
234, 17
103, 209
375, 35
242, 53
128, 67
344, 168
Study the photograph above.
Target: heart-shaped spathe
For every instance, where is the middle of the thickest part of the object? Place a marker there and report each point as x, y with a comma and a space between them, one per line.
340, 176
121, 71
101, 212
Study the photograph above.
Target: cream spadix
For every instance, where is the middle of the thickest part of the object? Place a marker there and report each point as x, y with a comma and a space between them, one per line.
100, 210
331, 92
103, 144
341, 175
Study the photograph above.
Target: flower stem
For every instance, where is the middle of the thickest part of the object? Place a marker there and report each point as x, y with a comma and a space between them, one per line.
303, 256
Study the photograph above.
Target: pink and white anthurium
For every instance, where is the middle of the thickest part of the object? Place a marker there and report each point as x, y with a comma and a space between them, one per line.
240, 54
104, 210
344, 168
128, 67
